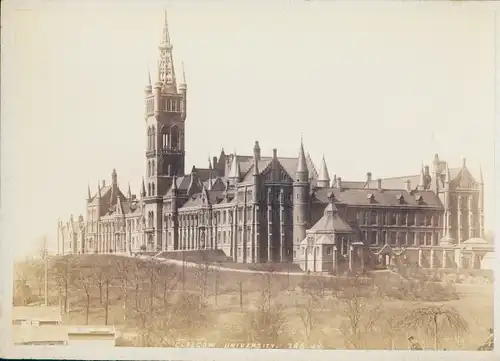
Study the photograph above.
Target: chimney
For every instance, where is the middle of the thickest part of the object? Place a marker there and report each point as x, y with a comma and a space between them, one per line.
214, 162
103, 183
339, 182
379, 184
256, 151
426, 170
275, 153
368, 177
464, 162
408, 185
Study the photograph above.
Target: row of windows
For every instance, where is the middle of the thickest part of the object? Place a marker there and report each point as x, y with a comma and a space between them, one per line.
404, 218
170, 138
401, 238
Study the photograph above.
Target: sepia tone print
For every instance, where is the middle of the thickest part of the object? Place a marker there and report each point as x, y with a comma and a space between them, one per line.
262, 251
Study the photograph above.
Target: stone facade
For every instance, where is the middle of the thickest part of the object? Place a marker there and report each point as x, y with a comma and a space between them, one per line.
260, 208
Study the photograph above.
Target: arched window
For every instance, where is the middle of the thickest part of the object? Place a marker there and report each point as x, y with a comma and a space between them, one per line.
149, 189
153, 134
164, 137
153, 167
149, 168
153, 189
174, 138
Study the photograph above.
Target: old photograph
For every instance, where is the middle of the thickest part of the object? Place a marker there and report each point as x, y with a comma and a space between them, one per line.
292, 175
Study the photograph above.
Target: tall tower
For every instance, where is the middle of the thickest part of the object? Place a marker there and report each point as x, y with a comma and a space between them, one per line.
300, 200
165, 150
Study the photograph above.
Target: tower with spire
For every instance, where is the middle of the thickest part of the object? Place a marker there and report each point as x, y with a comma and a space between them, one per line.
301, 188
165, 136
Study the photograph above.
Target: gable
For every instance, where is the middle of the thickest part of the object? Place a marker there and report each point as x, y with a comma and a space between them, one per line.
463, 179
275, 172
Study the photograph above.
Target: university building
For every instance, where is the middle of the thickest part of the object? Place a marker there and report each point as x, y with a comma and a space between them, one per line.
258, 208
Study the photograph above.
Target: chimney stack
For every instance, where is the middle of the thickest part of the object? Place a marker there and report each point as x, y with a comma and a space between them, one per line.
408, 185
379, 184
103, 183
368, 177
339, 182
275, 153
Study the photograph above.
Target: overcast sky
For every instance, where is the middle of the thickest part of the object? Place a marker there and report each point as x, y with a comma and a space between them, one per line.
375, 87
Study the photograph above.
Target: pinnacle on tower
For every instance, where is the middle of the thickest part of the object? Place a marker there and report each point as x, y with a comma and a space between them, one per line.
143, 189
183, 84
447, 174
149, 88
481, 180
421, 182
302, 172
89, 195
98, 190
323, 177
129, 192
235, 168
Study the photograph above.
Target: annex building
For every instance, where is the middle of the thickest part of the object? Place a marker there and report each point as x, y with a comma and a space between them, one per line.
269, 208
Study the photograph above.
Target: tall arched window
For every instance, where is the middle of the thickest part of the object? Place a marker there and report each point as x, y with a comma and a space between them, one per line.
153, 167
153, 135
149, 168
149, 138
174, 138
153, 189
164, 137
149, 190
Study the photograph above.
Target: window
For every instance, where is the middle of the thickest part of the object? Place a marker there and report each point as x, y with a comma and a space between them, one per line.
384, 237
410, 238
421, 238
373, 217
410, 219
393, 238
329, 250
401, 238
372, 239
429, 238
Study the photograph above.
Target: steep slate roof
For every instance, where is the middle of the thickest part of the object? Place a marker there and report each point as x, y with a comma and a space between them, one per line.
331, 221
386, 197
289, 164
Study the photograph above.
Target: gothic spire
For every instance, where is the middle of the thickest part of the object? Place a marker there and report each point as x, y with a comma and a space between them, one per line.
89, 195
98, 190
447, 174
129, 192
166, 72
323, 177
421, 182
302, 164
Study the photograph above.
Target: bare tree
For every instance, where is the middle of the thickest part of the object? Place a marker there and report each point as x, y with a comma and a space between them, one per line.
240, 290
123, 268
310, 313
169, 279
85, 282
201, 273
64, 278
362, 310
267, 324
435, 320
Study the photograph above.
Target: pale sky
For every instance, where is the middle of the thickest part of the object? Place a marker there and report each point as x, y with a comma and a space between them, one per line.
376, 87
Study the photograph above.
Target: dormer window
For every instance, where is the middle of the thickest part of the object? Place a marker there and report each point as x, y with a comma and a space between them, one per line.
400, 198
419, 199
370, 197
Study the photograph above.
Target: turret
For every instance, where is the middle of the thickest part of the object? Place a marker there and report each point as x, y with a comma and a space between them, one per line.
129, 193
114, 178
98, 195
302, 172
323, 177
421, 182
256, 173
89, 194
